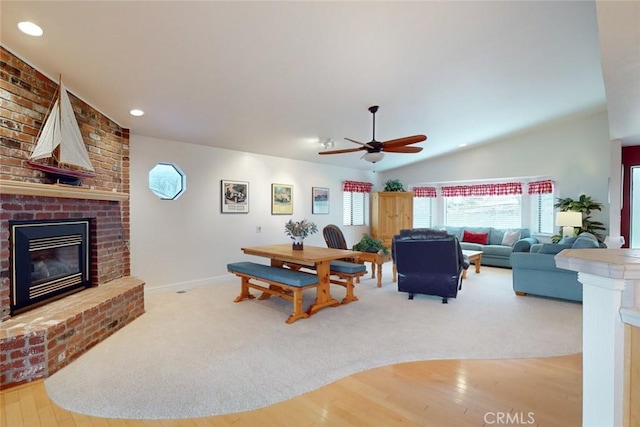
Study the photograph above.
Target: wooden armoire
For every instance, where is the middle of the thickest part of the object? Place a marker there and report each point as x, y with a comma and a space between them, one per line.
391, 211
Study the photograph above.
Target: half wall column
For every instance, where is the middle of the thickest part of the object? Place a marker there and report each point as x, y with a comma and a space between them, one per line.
611, 282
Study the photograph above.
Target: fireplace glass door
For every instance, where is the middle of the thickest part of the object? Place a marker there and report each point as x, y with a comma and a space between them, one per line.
49, 259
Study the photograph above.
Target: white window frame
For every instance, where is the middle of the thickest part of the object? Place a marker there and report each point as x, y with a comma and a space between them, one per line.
355, 208
423, 212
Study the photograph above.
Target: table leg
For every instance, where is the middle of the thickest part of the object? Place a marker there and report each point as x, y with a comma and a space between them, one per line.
477, 263
379, 274
323, 291
373, 269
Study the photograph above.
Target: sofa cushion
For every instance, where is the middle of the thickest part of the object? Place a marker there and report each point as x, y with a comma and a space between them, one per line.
495, 236
568, 240
455, 231
585, 243
534, 261
510, 237
535, 248
480, 238
550, 248
497, 250
471, 246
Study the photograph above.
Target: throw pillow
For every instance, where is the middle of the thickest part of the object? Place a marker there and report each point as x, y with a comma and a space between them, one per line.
585, 243
511, 237
568, 240
550, 248
479, 238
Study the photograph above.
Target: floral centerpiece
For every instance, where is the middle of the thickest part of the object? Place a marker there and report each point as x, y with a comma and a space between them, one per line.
299, 230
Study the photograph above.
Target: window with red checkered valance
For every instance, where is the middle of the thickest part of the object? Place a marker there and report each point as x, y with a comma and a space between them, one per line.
425, 192
357, 187
540, 187
500, 189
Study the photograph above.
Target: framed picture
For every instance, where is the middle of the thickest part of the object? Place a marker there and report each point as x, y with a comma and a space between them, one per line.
234, 196
319, 200
281, 199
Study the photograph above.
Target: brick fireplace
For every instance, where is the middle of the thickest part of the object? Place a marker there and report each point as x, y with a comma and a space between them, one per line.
36, 343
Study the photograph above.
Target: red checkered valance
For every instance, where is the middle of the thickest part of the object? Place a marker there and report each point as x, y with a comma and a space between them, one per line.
357, 187
424, 192
541, 187
502, 189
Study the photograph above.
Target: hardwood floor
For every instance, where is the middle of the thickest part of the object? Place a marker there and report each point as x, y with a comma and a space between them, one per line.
532, 392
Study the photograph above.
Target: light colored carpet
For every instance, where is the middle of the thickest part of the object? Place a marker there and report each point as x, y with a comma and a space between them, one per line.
197, 353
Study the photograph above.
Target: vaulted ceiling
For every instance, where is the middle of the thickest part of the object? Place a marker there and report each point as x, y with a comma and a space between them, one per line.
278, 77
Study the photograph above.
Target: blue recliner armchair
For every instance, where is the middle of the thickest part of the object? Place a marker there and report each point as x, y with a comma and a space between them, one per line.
428, 262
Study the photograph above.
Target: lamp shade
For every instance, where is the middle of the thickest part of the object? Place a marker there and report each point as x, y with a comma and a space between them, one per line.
569, 219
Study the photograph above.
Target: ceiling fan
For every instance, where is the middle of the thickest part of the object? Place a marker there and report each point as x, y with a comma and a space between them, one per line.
375, 149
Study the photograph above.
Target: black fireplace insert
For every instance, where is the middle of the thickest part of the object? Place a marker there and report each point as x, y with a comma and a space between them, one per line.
49, 260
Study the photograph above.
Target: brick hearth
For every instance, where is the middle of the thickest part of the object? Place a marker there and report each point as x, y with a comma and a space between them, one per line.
39, 342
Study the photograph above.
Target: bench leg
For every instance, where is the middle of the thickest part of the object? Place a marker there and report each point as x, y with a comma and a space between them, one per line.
350, 294
244, 291
298, 312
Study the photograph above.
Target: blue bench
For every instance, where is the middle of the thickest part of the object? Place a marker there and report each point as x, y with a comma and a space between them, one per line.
345, 272
284, 283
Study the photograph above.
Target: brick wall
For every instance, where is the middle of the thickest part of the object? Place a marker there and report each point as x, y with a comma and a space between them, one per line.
25, 97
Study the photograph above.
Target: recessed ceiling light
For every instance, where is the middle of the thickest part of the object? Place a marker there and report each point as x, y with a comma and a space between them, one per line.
464, 144
30, 28
136, 113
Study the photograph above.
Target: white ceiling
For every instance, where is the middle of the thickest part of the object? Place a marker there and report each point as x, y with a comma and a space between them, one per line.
276, 77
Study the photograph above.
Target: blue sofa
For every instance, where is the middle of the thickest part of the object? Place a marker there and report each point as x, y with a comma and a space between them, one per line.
536, 273
495, 253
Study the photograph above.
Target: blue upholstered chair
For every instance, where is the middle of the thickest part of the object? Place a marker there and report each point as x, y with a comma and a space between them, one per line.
428, 262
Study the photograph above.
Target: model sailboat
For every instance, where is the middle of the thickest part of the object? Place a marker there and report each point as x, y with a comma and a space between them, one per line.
60, 144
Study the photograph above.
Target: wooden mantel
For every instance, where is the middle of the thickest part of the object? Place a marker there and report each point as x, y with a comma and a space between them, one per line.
58, 190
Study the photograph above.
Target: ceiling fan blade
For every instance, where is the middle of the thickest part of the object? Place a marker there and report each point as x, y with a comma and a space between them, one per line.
358, 142
402, 149
346, 150
404, 141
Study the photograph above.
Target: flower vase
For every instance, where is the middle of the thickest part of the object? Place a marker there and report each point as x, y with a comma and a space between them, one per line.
297, 243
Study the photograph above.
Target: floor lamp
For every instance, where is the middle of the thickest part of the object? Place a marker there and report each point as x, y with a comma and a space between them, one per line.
567, 220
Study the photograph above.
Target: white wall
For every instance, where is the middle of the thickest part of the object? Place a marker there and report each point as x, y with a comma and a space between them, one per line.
574, 153
188, 241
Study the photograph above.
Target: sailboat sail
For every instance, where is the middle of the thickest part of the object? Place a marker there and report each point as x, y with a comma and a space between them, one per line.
61, 129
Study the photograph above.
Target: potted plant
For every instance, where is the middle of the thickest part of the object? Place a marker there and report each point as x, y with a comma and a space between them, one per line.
393, 185
585, 205
299, 230
370, 244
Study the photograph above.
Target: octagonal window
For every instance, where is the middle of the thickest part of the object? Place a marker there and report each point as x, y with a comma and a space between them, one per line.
167, 181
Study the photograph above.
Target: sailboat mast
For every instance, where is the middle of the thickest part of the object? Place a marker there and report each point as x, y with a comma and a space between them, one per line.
56, 152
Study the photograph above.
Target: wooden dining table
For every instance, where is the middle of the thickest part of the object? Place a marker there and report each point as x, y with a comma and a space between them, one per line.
313, 256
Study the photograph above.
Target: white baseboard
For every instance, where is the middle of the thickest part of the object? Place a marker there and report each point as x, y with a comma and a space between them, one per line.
185, 286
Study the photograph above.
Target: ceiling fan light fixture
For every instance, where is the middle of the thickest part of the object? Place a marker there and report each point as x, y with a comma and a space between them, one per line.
373, 157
